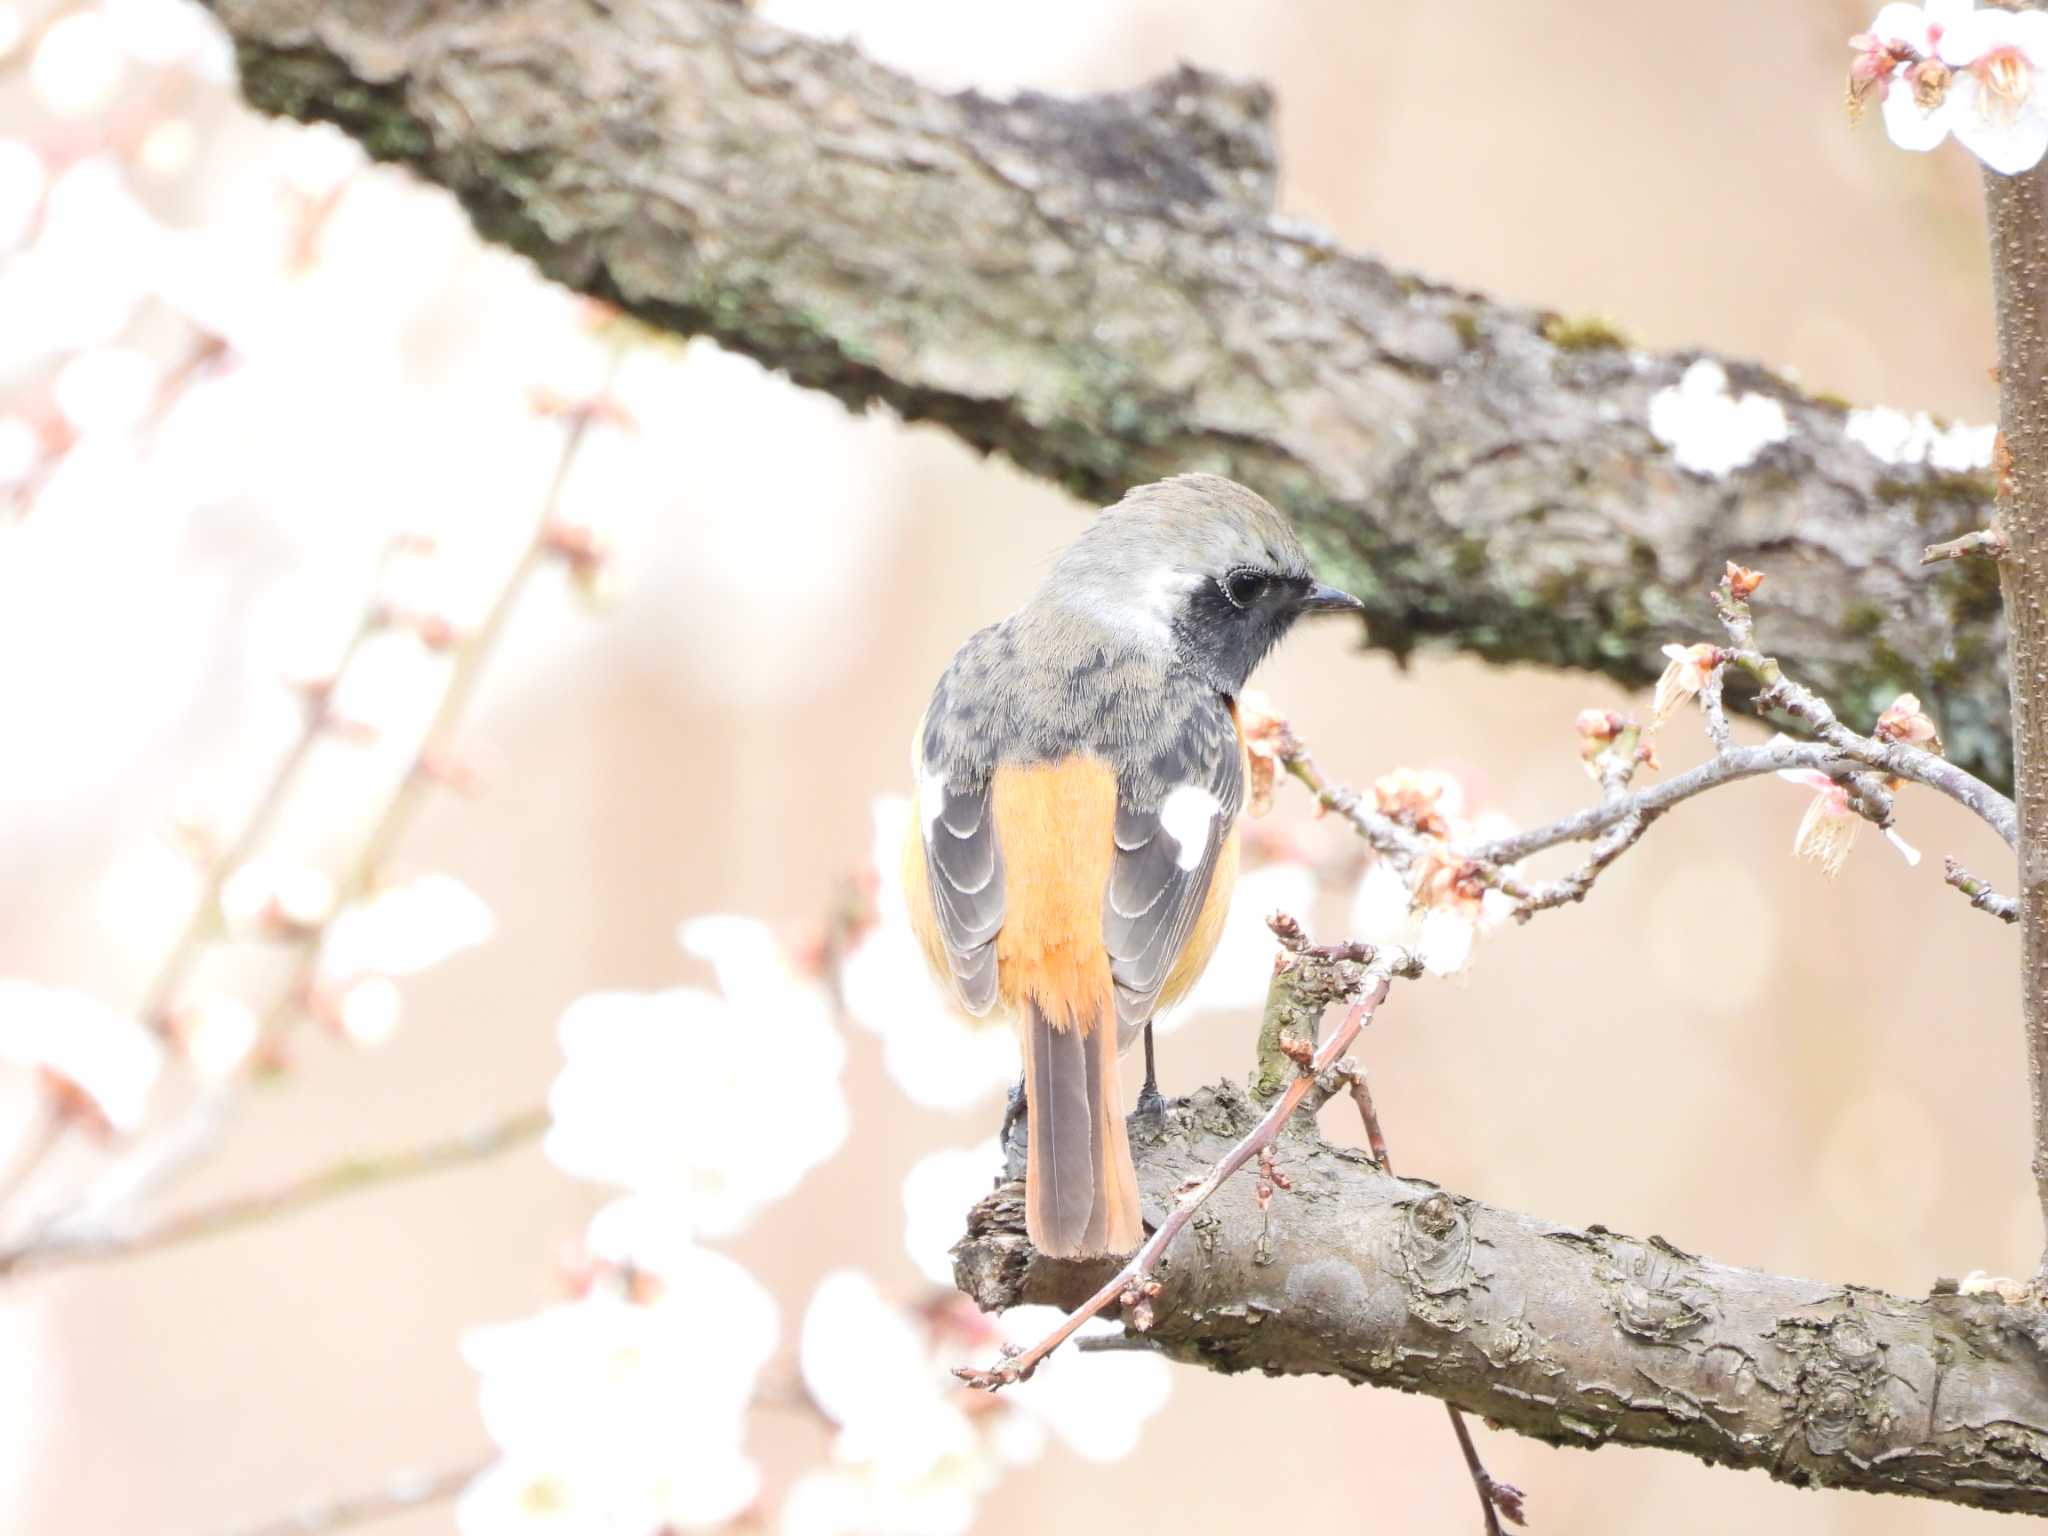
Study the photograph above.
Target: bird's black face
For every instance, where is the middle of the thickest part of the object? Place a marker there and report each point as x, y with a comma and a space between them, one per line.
1232, 621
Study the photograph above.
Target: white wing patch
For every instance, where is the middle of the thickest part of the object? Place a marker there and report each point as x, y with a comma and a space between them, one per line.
931, 799
1185, 817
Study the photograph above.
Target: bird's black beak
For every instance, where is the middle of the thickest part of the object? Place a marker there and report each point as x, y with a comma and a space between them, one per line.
1322, 599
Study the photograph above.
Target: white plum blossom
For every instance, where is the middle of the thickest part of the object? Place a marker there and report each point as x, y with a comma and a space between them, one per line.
662, 1092
217, 1036
627, 1415
1387, 911
77, 67
1949, 67
405, 929
936, 1193
107, 388
939, 1057
23, 177
267, 893
1828, 829
909, 1458
107, 1056
1709, 430
1896, 438
1096, 1405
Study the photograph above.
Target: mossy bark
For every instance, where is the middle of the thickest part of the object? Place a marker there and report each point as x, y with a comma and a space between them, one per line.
1099, 289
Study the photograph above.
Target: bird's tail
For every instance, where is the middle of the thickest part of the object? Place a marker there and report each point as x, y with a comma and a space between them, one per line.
1080, 1190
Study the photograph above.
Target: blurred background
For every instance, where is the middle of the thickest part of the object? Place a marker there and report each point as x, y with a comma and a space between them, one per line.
236, 364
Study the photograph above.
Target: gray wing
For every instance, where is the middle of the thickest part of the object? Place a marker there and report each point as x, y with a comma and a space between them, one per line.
962, 859
965, 866
1169, 829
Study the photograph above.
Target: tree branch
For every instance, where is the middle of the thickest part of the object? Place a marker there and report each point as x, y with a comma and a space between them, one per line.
1575, 1337
2017, 212
287, 1199
1099, 289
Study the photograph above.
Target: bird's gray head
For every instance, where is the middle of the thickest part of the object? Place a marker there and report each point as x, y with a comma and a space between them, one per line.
1197, 566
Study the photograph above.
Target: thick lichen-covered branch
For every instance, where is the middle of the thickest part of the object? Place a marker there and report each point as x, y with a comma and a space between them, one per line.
1100, 289
1578, 1337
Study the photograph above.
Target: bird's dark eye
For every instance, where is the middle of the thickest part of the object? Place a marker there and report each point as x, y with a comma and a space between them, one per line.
1244, 588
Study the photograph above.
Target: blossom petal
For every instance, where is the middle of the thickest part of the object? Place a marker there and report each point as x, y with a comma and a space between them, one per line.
1810, 778
2007, 147
1901, 24
1910, 126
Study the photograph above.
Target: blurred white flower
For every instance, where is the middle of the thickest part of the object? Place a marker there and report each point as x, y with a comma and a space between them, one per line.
663, 1092
21, 450
937, 1193
268, 893
1095, 1404
1241, 969
217, 1036
1709, 430
910, 1462
107, 1056
316, 158
77, 66
367, 1010
1897, 438
12, 28
908, 1458
169, 148
92, 263
392, 684
406, 929
105, 388
939, 1057
22, 179
167, 33
630, 1415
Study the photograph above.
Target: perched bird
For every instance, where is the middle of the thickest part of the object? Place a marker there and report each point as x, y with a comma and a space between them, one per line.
1079, 774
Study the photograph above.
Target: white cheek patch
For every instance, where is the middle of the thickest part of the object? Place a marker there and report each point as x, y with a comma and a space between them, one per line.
1185, 818
931, 799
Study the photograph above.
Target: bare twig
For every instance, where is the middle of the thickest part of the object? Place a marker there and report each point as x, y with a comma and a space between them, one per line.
1981, 895
1133, 1285
1495, 1498
1986, 542
48, 1135
398, 1493
299, 1194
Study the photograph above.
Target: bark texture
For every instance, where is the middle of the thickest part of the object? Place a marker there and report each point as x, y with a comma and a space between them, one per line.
1579, 1338
2016, 209
1100, 289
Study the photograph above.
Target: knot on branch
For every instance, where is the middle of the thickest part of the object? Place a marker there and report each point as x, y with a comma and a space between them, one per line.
1187, 139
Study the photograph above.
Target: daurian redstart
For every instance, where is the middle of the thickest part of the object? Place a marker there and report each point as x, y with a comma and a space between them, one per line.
1079, 775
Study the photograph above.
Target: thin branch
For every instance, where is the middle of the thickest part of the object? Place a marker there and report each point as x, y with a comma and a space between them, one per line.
1495, 1497
1986, 542
52, 1126
396, 1495
1981, 895
288, 1199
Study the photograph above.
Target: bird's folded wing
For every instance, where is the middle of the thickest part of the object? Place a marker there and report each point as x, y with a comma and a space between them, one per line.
965, 865
1167, 841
